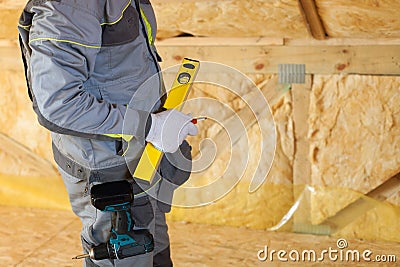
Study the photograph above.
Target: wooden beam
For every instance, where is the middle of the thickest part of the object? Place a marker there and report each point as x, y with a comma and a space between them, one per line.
261, 57
363, 204
310, 13
219, 41
342, 42
301, 163
319, 59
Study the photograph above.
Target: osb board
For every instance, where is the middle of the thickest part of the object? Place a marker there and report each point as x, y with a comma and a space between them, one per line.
354, 137
274, 18
360, 19
18, 120
205, 18
9, 21
263, 208
19, 160
51, 238
238, 18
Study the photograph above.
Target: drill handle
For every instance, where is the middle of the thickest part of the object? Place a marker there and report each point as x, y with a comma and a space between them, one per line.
122, 222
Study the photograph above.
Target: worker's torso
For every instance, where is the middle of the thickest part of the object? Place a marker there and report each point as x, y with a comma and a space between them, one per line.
127, 58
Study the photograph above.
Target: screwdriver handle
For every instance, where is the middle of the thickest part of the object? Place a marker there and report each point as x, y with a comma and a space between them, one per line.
195, 120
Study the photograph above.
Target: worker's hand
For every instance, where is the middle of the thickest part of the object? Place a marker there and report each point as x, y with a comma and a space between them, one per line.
168, 130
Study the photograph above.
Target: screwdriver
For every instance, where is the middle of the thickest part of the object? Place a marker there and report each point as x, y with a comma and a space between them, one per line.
197, 119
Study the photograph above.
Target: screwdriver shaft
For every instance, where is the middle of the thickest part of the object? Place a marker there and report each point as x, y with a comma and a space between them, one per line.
81, 256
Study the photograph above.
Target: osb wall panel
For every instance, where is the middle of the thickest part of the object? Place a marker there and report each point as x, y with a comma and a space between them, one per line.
18, 120
9, 21
239, 18
360, 19
227, 18
18, 160
354, 137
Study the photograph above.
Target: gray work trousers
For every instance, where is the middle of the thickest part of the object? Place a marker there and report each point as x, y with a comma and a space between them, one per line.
96, 225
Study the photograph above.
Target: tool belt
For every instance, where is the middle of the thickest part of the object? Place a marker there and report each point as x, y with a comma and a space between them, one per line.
173, 171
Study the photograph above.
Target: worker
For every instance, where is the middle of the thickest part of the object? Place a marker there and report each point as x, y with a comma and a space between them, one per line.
84, 61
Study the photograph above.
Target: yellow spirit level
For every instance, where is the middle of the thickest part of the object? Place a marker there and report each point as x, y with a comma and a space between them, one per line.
181, 86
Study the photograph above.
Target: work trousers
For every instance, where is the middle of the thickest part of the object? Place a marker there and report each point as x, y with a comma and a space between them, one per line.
96, 225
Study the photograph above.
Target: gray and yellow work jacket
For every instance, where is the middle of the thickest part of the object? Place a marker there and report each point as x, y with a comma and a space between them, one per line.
84, 61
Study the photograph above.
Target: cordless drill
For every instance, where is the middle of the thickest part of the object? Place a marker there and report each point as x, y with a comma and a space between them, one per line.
124, 242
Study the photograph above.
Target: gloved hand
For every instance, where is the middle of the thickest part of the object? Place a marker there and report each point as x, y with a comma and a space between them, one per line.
169, 128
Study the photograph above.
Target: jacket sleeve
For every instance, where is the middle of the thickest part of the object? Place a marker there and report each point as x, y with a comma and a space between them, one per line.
64, 43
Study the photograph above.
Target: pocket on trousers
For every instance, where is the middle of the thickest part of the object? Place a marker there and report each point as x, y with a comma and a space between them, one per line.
142, 212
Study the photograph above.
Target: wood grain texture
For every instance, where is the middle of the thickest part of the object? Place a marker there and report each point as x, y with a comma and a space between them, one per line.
373, 59
313, 19
301, 163
238, 18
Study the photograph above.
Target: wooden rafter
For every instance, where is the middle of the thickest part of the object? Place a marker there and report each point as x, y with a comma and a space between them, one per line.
312, 18
363, 204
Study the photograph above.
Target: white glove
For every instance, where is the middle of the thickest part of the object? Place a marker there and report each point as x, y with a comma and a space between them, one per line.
168, 130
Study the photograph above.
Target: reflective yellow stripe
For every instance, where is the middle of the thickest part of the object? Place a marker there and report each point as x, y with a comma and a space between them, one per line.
64, 41
24, 26
122, 15
126, 137
148, 26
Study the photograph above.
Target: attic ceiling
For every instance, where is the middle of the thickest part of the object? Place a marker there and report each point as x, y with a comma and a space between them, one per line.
255, 18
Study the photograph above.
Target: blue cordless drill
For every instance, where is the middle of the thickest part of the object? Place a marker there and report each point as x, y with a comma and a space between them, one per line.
117, 197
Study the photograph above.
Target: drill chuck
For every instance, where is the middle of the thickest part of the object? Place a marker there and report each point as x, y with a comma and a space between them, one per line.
101, 252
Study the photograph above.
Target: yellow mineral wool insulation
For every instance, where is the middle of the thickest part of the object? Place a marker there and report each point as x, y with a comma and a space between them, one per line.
266, 206
30, 191
395, 199
354, 136
360, 19
18, 120
231, 18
